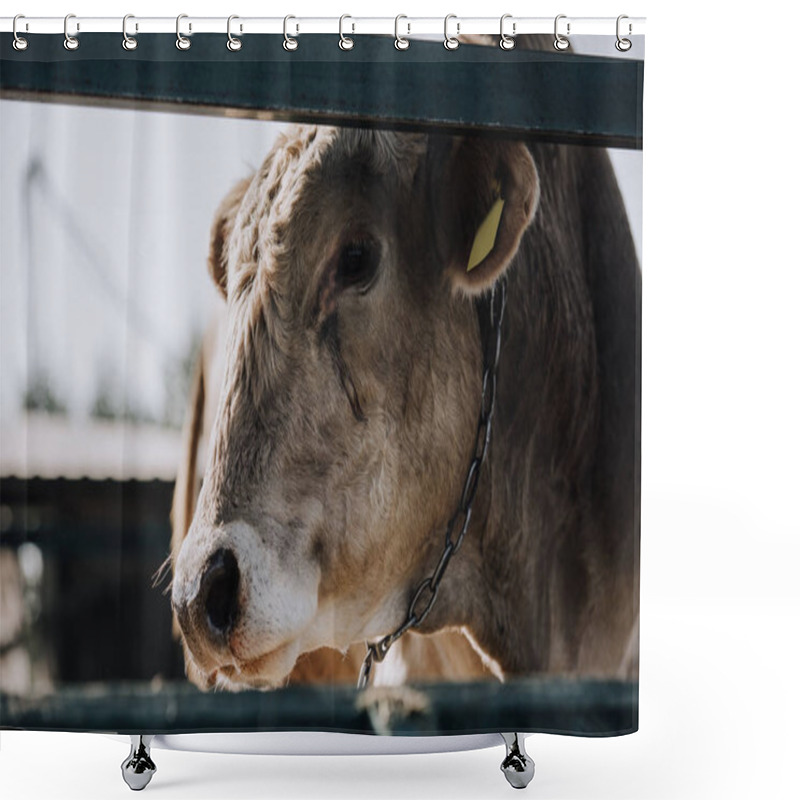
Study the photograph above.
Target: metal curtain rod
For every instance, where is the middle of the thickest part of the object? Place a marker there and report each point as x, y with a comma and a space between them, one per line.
408, 26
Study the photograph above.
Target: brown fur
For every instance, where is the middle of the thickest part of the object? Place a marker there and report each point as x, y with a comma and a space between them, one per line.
353, 503
446, 655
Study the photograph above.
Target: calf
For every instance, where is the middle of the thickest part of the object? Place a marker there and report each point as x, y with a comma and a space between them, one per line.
350, 396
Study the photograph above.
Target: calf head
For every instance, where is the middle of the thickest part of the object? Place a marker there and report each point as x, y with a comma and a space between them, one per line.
351, 390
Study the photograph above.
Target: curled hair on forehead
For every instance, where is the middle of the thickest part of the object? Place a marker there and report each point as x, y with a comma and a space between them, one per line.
381, 152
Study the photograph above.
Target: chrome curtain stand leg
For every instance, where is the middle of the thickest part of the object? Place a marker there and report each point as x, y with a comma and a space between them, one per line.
138, 768
517, 766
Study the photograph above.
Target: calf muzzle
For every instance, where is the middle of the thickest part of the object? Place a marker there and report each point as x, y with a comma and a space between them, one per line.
212, 612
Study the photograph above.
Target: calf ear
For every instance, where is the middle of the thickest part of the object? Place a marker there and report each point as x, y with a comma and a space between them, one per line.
485, 199
220, 232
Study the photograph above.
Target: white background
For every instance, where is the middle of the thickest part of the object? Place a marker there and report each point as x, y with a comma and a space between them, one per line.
720, 705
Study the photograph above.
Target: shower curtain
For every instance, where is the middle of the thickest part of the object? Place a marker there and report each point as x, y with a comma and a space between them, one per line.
320, 385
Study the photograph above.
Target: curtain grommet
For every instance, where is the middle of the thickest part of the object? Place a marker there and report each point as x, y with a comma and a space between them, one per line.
623, 45
400, 42
345, 42
451, 42
561, 42
70, 42
289, 43
182, 42
233, 44
507, 42
20, 43
128, 42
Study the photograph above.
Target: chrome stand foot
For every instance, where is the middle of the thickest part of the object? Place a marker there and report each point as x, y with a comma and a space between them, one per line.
517, 766
138, 768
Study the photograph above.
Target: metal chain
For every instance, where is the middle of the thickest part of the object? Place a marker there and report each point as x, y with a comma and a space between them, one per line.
427, 592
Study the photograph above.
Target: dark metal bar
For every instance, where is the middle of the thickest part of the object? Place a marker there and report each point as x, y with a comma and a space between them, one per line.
523, 93
588, 708
84, 517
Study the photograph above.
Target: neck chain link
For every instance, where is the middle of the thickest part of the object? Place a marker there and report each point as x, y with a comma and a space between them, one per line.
426, 593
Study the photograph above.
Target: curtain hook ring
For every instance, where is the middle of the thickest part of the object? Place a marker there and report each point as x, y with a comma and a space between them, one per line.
451, 42
507, 42
289, 43
20, 43
70, 42
561, 42
345, 42
182, 43
400, 42
128, 42
233, 44
623, 45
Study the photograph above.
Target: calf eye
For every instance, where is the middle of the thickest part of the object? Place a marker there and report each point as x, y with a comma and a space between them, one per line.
358, 263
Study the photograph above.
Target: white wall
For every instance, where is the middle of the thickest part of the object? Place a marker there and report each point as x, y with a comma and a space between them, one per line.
106, 282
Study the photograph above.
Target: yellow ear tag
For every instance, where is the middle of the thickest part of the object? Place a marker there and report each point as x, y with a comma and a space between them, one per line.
487, 232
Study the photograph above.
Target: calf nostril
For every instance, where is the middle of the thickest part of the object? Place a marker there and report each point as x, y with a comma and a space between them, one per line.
220, 589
